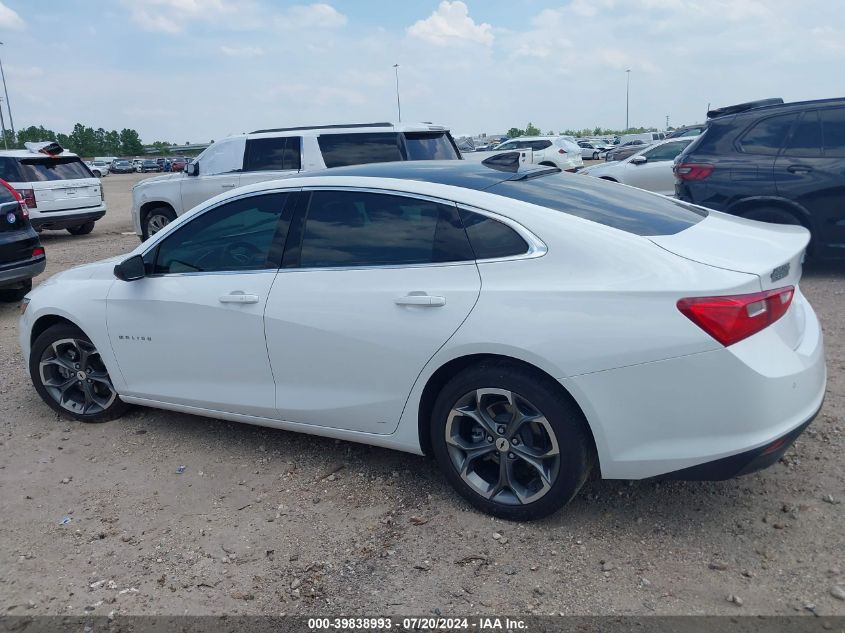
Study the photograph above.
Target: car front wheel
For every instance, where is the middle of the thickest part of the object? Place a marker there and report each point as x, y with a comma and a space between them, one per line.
156, 220
70, 376
510, 441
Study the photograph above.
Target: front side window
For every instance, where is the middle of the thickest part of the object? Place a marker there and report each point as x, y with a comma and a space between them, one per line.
62, 168
222, 157
340, 150
277, 153
245, 234
767, 136
833, 123
350, 228
510, 145
665, 152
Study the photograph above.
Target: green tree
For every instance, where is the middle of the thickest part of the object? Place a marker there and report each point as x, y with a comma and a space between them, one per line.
532, 130
514, 132
111, 143
162, 147
130, 143
34, 134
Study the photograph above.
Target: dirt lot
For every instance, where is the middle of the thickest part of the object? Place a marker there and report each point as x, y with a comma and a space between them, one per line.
265, 521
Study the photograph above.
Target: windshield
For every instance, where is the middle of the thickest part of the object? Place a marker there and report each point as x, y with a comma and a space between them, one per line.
63, 168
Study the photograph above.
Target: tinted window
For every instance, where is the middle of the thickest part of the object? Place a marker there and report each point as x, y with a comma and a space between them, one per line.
10, 170
630, 210
833, 122
40, 169
806, 138
235, 236
666, 152
347, 228
355, 149
539, 145
510, 145
767, 136
429, 146
490, 238
272, 154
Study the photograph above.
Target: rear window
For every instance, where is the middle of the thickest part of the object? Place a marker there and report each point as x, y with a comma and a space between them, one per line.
622, 208
429, 146
42, 169
340, 150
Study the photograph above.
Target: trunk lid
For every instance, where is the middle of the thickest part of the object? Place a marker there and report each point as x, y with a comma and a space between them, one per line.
64, 195
773, 252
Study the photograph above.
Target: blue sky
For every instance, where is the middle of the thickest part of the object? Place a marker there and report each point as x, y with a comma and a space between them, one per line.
181, 70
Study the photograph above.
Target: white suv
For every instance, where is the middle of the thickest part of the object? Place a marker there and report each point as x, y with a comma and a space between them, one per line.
60, 190
555, 151
262, 155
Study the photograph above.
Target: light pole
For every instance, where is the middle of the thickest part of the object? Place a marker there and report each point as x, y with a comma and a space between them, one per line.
398, 104
3, 125
627, 92
8, 103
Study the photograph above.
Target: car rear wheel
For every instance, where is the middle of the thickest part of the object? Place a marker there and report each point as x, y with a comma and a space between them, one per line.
156, 220
82, 229
9, 295
510, 442
595, 155
70, 376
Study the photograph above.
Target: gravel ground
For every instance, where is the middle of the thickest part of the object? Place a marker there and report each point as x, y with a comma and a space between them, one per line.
265, 521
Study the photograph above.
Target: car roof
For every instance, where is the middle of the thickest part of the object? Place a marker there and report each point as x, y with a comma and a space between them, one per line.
752, 108
349, 128
25, 153
458, 173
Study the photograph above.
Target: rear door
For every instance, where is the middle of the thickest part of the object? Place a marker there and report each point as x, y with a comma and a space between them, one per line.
60, 183
372, 285
271, 157
811, 171
752, 167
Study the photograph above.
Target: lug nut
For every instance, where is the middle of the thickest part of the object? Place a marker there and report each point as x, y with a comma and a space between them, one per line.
515, 441
89, 380
511, 456
501, 430
489, 438
76, 365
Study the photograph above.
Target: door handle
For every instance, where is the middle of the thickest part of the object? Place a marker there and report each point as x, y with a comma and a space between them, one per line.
238, 297
799, 169
228, 185
420, 300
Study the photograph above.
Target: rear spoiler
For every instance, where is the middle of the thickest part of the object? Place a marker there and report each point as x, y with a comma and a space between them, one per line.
49, 148
743, 107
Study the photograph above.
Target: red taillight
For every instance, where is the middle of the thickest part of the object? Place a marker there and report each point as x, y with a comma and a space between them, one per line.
29, 197
732, 318
38, 252
692, 171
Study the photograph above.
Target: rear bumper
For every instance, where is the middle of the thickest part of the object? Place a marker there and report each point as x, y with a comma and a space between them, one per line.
66, 219
11, 274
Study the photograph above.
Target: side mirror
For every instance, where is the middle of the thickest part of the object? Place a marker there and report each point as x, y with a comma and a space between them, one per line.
131, 269
639, 160
192, 169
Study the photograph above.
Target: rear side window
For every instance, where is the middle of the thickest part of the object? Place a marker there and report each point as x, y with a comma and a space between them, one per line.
806, 137
429, 146
767, 136
10, 170
833, 123
340, 150
490, 238
357, 229
630, 210
279, 153
539, 145
42, 169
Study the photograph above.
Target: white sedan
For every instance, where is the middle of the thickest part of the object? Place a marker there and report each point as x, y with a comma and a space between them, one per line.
522, 325
649, 169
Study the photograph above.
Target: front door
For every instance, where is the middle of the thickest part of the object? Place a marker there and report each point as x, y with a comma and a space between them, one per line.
374, 285
219, 171
191, 332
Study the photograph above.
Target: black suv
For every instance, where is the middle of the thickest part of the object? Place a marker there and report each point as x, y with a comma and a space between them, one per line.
21, 255
773, 161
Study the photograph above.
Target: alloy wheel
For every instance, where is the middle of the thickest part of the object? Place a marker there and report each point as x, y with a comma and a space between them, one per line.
73, 373
502, 446
156, 222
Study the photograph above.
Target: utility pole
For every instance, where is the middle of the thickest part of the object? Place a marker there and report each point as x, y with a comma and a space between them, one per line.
3, 125
8, 103
398, 104
667, 121
627, 93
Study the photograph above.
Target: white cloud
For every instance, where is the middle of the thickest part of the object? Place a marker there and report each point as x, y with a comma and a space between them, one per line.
9, 19
311, 16
449, 24
242, 51
171, 16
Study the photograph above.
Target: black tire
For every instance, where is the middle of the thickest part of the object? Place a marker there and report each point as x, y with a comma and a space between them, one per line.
11, 295
97, 173
82, 229
156, 219
774, 215
76, 390
595, 155
575, 453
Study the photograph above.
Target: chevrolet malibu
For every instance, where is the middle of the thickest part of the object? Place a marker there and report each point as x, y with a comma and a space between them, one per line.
523, 326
